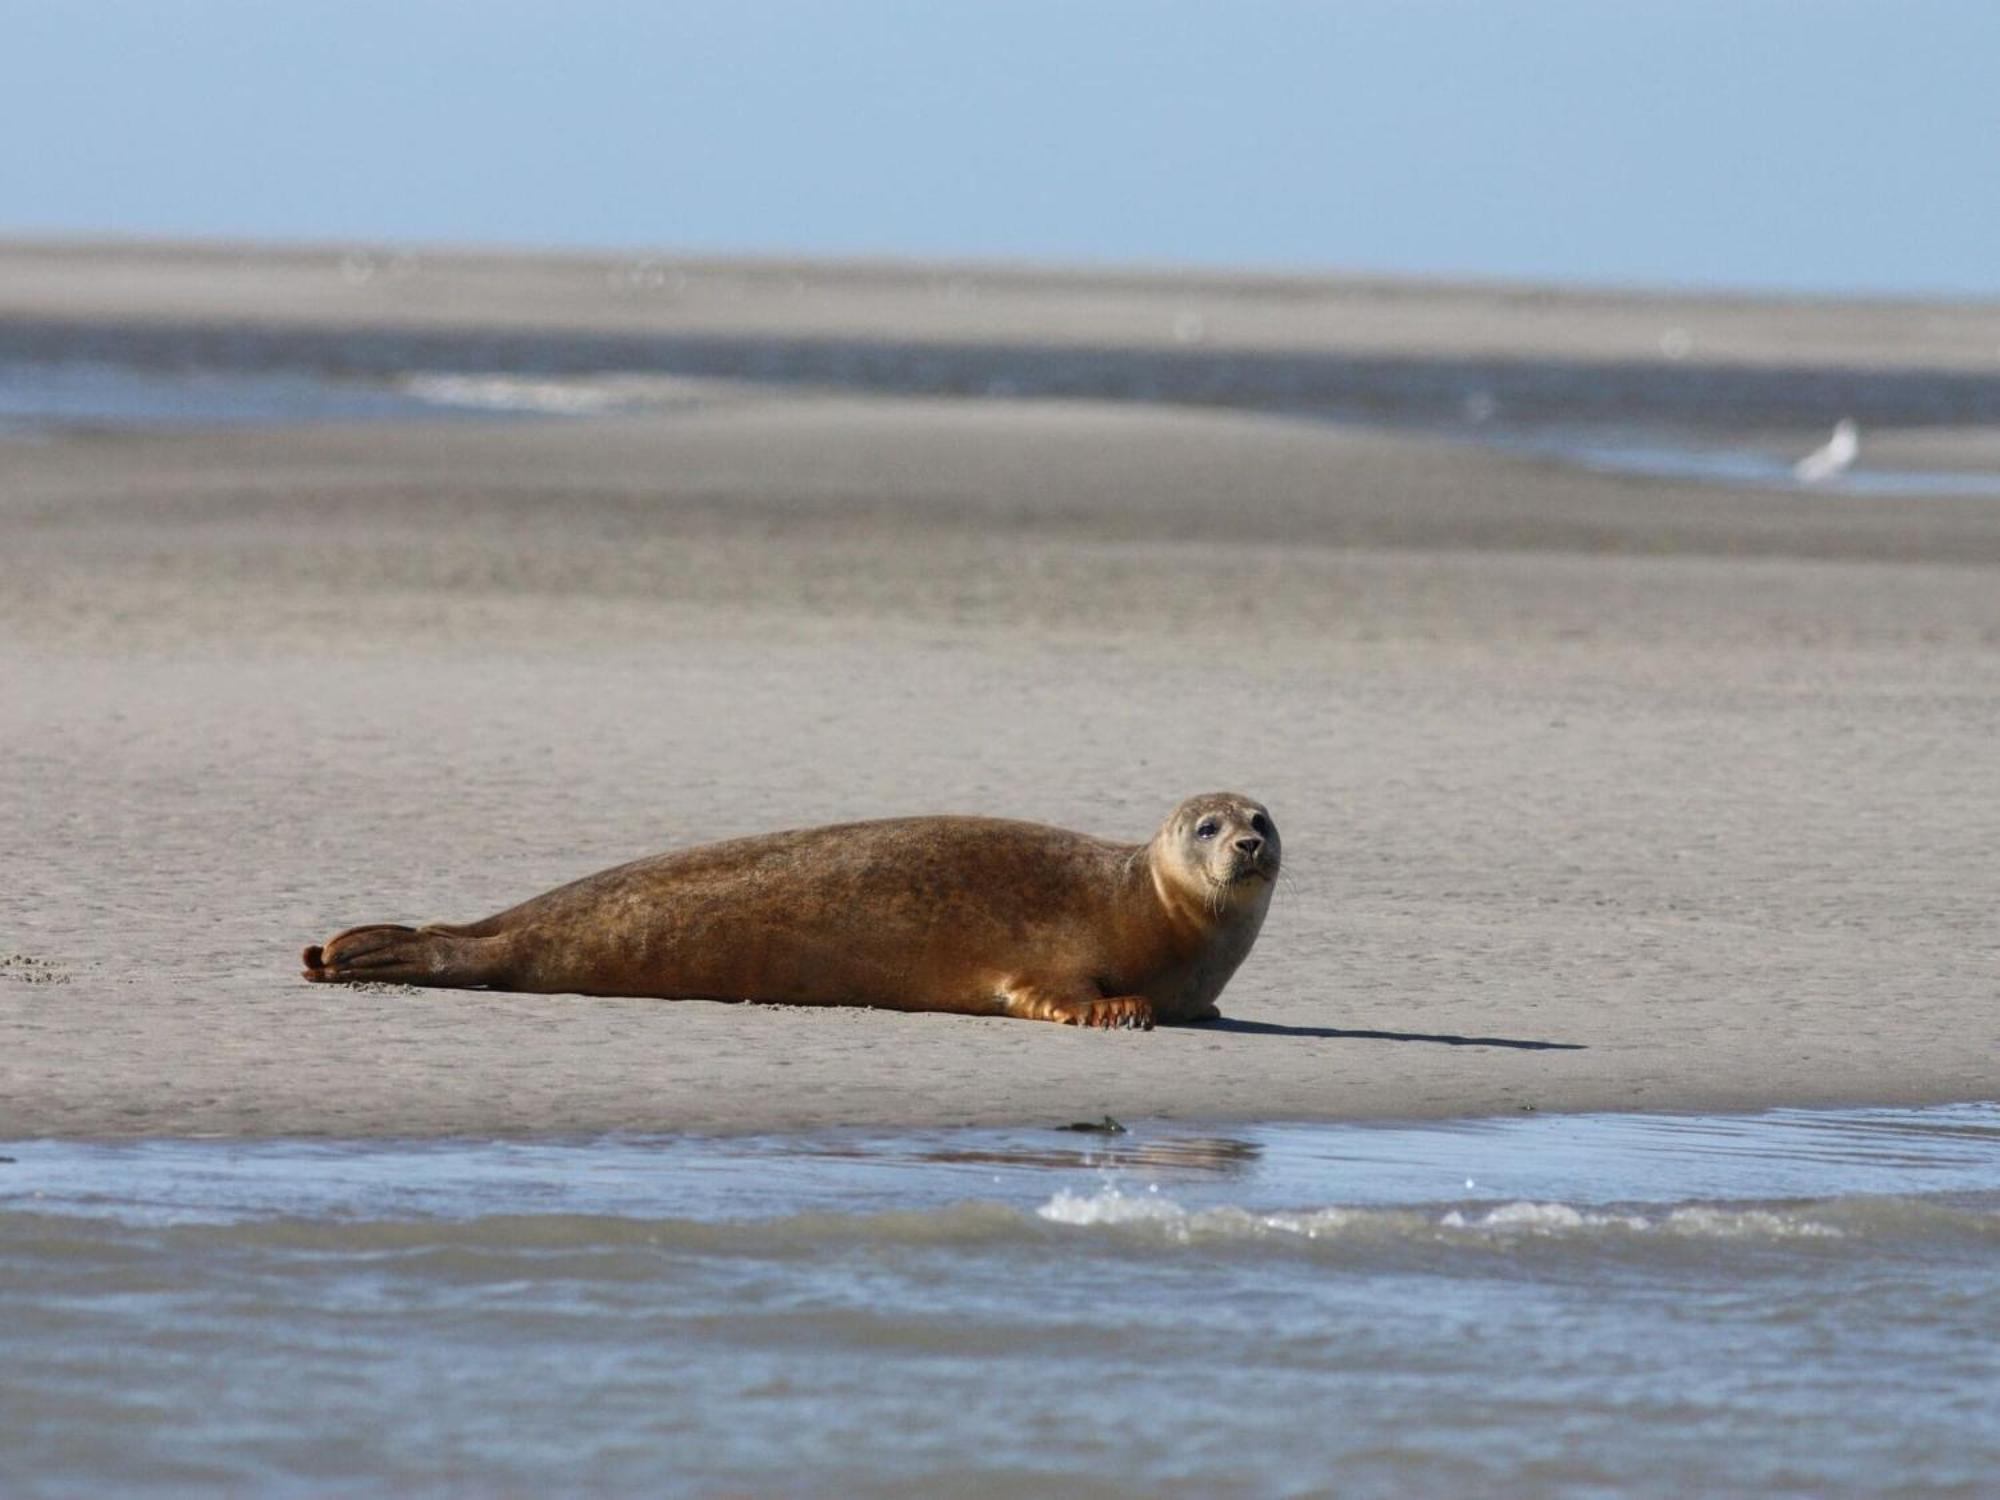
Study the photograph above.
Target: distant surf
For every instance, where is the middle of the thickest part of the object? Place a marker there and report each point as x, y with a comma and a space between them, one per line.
1672, 419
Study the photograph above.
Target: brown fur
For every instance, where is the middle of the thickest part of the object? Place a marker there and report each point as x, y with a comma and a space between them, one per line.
976, 916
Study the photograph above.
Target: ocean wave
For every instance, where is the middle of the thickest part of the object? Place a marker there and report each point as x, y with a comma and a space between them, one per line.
583, 396
1114, 1218
501, 393
1873, 1219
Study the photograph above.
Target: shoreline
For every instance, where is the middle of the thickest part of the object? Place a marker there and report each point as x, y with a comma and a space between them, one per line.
1138, 1130
1694, 778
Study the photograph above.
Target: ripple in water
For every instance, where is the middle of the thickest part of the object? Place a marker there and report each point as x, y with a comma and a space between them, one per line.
1584, 1305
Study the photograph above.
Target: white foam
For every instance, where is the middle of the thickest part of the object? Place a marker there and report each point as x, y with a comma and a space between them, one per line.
1750, 1223
567, 396
1545, 1218
508, 393
1112, 1207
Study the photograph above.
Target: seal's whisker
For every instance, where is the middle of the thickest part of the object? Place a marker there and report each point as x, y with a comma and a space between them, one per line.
1291, 879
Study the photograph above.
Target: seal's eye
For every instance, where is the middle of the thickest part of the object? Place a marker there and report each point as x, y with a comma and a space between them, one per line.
1261, 824
1207, 828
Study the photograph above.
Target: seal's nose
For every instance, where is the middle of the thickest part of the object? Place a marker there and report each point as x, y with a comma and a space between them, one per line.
1250, 843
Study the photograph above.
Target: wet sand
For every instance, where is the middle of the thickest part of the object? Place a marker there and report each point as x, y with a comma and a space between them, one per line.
1597, 792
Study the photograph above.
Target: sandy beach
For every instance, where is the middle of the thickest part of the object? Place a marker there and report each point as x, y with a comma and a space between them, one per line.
1597, 792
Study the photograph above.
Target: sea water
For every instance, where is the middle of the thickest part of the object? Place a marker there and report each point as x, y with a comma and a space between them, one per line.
69, 395
1789, 1303
1698, 423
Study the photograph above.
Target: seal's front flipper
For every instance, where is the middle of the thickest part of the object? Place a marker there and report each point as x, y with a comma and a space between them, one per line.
387, 954
1083, 1008
1118, 1013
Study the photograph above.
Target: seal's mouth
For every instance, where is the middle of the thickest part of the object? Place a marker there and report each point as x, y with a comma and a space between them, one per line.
1251, 872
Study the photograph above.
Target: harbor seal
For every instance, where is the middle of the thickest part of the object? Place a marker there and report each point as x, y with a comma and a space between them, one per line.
973, 916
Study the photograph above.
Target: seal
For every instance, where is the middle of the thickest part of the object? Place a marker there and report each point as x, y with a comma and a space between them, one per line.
971, 916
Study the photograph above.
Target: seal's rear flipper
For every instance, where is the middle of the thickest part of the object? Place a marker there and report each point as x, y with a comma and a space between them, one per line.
388, 954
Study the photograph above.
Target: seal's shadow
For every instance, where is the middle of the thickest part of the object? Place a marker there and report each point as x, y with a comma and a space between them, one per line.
1333, 1033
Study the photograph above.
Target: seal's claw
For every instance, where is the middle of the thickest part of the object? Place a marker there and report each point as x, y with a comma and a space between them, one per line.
1118, 1013
1125, 1013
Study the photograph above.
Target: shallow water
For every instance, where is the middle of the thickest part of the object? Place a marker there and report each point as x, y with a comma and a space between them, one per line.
1704, 460
1795, 1302
1660, 419
42, 397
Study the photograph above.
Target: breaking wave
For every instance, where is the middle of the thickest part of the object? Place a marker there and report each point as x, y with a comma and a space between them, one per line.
574, 396
1873, 1220
1121, 1221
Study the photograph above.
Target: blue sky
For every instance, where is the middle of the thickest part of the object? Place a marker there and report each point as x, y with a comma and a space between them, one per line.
1794, 144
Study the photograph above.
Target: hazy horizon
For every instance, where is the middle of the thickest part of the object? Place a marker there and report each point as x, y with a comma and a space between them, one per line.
1802, 146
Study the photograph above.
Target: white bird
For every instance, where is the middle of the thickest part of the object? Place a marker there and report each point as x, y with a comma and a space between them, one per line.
1833, 457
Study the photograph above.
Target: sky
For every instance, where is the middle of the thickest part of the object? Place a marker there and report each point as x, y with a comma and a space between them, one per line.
1800, 145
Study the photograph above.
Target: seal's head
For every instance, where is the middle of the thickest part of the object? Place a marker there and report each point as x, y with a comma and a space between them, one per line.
1222, 845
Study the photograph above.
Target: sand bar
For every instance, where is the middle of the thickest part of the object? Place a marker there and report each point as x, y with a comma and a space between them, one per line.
1598, 793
